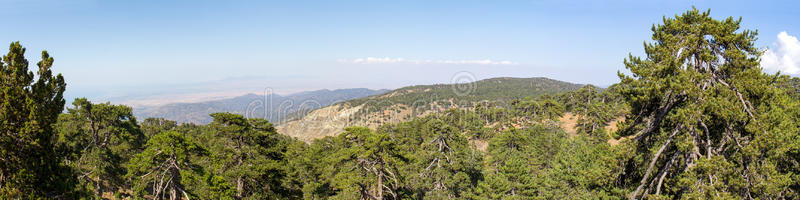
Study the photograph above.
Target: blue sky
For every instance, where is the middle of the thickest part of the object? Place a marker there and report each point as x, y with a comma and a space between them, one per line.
118, 50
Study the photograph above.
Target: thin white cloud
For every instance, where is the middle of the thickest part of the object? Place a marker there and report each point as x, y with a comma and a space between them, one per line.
388, 60
785, 57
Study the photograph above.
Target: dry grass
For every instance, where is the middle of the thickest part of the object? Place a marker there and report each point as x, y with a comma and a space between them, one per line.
479, 144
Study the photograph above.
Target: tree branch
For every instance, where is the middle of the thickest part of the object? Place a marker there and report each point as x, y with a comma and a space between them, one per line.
653, 163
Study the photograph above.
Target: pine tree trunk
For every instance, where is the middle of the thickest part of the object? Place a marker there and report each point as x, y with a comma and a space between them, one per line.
380, 182
239, 181
173, 195
239, 187
98, 190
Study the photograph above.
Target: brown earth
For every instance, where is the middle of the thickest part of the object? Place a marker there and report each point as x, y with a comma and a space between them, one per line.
569, 121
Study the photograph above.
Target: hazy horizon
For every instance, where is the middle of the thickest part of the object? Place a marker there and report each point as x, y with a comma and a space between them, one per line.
187, 50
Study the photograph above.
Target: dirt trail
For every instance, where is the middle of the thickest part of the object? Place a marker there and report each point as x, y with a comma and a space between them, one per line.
568, 123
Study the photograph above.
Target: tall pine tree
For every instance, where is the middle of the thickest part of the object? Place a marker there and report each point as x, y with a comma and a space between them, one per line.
98, 140
248, 154
29, 106
167, 168
705, 121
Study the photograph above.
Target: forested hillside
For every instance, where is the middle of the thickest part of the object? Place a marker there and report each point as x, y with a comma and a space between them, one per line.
418, 101
697, 119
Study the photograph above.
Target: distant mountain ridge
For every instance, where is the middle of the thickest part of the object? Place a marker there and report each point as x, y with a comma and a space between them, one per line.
415, 101
278, 108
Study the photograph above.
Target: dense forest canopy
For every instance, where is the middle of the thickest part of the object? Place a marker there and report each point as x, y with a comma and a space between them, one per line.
697, 119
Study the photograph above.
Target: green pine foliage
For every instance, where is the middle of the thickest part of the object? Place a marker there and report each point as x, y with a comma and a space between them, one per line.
705, 121
445, 166
248, 154
511, 158
153, 126
698, 119
29, 106
365, 167
167, 168
546, 107
584, 169
97, 139
594, 108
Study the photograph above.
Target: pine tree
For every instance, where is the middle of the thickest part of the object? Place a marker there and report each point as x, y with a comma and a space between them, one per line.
248, 154
705, 121
365, 167
445, 164
512, 167
29, 106
99, 139
167, 168
593, 108
302, 170
544, 109
153, 126
582, 168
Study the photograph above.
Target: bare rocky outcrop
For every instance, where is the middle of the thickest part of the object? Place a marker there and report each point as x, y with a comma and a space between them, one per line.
332, 120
